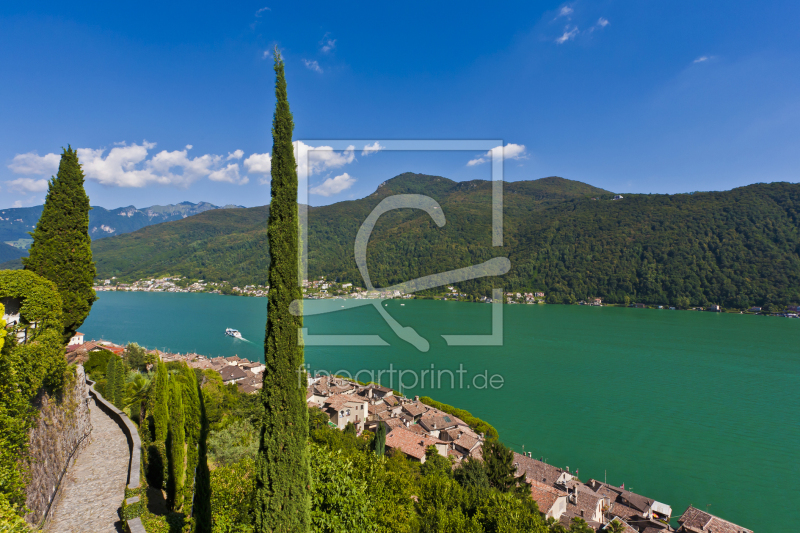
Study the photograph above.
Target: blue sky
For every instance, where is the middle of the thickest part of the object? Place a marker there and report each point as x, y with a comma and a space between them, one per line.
653, 96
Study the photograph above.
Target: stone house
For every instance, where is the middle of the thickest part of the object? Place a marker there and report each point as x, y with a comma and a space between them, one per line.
413, 444
633, 508
551, 501
232, 374
345, 408
77, 339
540, 471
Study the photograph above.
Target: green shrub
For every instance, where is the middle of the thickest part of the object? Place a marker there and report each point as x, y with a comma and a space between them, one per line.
232, 443
25, 369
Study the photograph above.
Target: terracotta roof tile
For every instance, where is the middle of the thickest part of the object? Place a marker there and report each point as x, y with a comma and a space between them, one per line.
545, 495
695, 520
410, 443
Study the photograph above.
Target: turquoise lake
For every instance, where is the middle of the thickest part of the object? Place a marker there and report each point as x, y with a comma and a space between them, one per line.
684, 407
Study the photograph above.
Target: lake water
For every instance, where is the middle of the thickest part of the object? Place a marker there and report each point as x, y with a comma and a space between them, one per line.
684, 407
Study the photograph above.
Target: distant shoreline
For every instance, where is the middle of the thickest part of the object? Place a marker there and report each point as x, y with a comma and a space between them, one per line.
790, 312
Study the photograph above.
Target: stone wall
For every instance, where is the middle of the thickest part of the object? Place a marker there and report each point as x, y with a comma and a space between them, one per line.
61, 431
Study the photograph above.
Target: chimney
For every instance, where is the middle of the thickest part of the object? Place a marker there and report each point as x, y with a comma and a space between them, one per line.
416, 398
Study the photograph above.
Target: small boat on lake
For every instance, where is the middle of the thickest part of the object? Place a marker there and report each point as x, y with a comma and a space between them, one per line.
233, 333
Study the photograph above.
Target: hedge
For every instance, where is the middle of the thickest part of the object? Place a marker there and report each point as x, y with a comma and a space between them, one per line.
474, 422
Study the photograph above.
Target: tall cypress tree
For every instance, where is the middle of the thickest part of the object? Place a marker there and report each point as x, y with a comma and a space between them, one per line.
119, 382
110, 391
379, 442
61, 250
201, 507
176, 440
160, 416
283, 478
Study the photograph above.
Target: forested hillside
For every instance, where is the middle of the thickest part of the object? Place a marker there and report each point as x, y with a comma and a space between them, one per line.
734, 248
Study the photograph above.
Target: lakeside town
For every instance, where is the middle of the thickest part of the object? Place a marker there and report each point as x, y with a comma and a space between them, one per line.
416, 429
324, 289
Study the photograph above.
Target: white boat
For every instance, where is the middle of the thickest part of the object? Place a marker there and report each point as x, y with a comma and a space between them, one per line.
233, 333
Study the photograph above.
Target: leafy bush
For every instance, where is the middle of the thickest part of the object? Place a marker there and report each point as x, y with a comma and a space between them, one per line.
233, 443
231, 497
25, 369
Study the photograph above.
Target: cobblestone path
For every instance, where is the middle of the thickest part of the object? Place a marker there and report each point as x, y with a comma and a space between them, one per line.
93, 488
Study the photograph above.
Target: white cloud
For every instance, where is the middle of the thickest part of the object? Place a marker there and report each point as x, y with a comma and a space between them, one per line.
258, 164
602, 22
26, 185
17, 203
565, 11
509, 151
32, 163
229, 174
265, 54
312, 65
313, 160
702, 59
372, 148
568, 35
127, 166
327, 44
130, 165
335, 185
260, 11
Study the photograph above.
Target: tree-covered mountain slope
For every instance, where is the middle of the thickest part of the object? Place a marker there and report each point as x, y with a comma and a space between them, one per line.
572, 241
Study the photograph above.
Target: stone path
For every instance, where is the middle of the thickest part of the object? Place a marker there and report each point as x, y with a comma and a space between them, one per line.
93, 488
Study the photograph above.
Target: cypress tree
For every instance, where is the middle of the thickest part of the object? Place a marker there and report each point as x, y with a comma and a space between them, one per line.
379, 442
119, 382
192, 425
283, 476
201, 507
176, 440
110, 388
61, 250
160, 416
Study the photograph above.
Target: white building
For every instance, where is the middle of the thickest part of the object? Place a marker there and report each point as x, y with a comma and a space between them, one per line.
76, 339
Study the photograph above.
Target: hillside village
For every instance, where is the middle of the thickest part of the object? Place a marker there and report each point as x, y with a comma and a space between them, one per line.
413, 427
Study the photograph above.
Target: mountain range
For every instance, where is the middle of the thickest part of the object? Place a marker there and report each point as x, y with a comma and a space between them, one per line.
16, 222
571, 240
568, 239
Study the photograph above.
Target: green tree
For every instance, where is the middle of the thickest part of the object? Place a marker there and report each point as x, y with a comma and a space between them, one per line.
499, 462
579, 525
201, 508
472, 473
25, 370
119, 383
61, 250
615, 526
110, 390
379, 442
283, 477
231, 444
435, 463
136, 356
176, 441
160, 410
